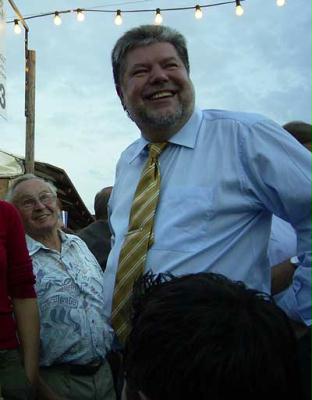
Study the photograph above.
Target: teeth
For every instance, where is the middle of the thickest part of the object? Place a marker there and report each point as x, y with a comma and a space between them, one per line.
160, 95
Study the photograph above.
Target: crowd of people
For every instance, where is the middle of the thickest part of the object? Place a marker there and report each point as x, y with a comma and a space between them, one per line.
168, 294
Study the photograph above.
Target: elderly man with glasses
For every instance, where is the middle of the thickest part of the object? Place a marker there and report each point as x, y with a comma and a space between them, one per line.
69, 286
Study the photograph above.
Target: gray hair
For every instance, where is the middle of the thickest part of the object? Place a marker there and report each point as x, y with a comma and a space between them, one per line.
27, 177
142, 36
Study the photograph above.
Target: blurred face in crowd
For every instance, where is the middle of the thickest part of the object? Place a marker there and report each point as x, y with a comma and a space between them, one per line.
37, 206
156, 90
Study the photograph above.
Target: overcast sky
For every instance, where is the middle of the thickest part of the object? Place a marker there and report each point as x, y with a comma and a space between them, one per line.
259, 62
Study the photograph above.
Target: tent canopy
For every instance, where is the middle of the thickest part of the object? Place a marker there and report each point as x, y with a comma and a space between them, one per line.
79, 216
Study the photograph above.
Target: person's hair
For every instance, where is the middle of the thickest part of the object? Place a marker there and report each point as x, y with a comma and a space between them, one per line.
299, 130
101, 201
27, 177
145, 35
202, 336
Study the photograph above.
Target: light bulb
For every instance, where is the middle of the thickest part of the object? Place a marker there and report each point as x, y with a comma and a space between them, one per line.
280, 3
158, 17
80, 15
57, 19
17, 28
239, 11
198, 12
118, 18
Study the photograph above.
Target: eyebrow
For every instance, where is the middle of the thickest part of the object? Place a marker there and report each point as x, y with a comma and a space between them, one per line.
30, 196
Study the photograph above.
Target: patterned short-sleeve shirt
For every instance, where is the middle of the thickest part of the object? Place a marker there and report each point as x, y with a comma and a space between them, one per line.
70, 290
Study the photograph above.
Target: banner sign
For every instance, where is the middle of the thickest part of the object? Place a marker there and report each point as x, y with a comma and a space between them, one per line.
3, 102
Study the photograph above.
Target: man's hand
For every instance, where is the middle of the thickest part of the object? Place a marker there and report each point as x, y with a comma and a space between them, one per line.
282, 275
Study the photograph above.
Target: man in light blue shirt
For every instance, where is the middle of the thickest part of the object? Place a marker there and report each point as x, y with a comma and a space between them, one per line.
223, 175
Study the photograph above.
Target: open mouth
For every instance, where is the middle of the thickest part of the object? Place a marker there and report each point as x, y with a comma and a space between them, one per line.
164, 94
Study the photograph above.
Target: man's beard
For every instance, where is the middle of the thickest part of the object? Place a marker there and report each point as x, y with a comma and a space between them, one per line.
158, 119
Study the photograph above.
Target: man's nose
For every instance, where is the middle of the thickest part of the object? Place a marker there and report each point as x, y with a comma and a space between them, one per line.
38, 205
158, 74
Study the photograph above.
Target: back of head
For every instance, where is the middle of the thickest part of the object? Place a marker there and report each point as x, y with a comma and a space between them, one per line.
299, 130
101, 201
142, 36
202, 336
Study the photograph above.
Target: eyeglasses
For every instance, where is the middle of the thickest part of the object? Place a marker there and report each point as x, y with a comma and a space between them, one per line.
43, 198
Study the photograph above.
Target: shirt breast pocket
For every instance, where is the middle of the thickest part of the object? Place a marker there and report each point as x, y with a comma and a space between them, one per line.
184, 217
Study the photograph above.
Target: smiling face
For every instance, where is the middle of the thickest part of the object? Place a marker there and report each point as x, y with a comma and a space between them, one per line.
38, 208
156, 90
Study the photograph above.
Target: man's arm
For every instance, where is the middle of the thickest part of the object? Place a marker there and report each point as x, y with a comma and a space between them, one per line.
278, 172
28, 328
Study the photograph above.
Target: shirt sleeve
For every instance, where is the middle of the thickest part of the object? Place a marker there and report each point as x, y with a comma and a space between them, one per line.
20, 275
278, 172
283, 241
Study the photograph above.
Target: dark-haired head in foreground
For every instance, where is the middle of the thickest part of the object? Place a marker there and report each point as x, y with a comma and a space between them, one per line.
204, 337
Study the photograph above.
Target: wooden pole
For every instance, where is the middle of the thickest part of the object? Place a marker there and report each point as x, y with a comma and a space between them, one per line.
30, 58
30, 111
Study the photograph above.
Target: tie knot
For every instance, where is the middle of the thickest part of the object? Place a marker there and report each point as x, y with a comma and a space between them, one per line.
156, 148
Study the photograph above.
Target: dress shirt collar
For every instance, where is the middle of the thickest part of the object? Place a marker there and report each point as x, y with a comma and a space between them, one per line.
186, 136
34, 246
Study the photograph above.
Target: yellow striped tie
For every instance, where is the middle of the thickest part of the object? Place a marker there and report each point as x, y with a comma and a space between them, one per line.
138, 240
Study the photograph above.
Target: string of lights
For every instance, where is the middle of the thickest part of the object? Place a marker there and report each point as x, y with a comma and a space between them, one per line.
118, 14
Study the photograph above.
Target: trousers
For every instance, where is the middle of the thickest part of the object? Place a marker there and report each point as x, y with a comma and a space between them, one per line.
69, 383
14, 384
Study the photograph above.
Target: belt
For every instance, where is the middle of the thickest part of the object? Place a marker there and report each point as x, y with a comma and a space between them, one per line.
86, 369
77, 369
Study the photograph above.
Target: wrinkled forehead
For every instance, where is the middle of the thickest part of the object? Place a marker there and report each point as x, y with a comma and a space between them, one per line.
148, 53
30, 188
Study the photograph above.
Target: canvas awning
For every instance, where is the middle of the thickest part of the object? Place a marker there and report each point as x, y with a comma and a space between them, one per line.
79, 216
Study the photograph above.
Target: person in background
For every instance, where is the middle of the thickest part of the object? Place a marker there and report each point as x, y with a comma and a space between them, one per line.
69, 286
282, 252
97, 235
202, 336
197, 190
19, 316
283, 239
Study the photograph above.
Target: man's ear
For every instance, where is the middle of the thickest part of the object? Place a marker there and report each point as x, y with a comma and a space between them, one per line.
120, 95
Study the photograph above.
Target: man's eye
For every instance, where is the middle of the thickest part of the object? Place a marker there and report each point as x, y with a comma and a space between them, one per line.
28, 203
44, 197
139, 72
171, 65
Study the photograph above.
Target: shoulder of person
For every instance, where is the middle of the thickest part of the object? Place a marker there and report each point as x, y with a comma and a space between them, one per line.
246, 118
72, 237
